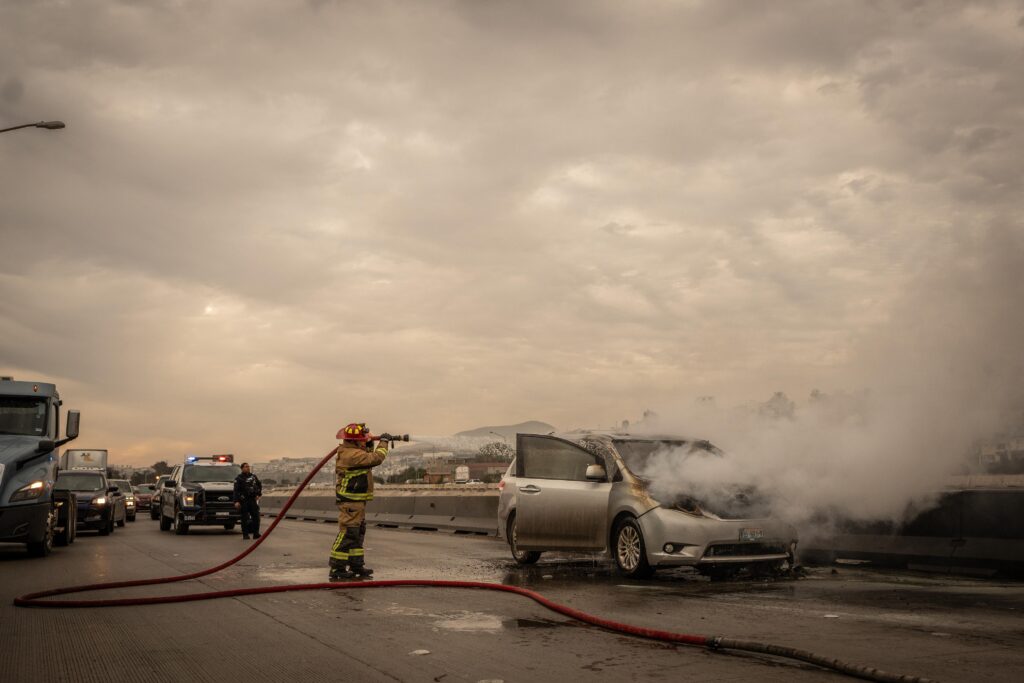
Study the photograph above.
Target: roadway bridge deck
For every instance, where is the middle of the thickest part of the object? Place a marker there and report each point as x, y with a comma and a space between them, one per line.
950, 629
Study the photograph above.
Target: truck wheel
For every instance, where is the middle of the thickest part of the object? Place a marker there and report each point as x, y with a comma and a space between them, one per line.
630, 551
180, 528
132, 518
165, 522
154, 513
43, 547
66, 536
229, 526
520, 556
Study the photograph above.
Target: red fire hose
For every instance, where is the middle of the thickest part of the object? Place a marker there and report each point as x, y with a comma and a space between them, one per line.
712, 642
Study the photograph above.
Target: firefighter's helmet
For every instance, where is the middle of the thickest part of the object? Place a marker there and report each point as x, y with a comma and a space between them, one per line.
356, 431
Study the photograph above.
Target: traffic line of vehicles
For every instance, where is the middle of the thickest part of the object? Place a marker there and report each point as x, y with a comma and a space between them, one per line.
45, 499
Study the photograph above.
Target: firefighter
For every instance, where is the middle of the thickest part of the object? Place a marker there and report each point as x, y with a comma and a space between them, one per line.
247, 494
357, 456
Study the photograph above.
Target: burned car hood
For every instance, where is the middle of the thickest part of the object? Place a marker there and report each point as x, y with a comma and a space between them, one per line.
726, 502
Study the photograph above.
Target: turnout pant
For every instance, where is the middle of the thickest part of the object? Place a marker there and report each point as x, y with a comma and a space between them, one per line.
250, 516
348, 546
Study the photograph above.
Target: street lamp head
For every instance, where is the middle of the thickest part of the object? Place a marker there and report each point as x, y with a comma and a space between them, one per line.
50, 125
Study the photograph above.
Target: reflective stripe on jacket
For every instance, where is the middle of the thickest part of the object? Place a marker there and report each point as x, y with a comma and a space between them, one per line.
354, 479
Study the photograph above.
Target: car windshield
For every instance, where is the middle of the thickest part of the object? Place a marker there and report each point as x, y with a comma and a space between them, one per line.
122, 485
22, 416
79, 482
638, 453
200, 473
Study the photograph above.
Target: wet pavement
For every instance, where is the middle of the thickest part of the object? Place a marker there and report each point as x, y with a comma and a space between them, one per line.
946, 628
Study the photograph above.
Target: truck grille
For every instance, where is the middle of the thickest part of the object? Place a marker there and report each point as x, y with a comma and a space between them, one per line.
211, 504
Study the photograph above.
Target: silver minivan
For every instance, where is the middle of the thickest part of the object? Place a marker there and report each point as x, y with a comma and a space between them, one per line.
585, 492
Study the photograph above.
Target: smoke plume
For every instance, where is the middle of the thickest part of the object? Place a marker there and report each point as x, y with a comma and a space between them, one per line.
945, 370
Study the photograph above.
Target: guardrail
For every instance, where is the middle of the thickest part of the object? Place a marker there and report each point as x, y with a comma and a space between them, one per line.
472, 514
972, 528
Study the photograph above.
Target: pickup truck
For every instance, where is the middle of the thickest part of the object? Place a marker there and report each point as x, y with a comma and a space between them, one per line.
199, 492
31, 512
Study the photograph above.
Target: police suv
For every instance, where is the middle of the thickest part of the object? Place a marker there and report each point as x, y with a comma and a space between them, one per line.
199, 492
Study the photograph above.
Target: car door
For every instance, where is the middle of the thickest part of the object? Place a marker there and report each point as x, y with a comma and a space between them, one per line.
556, 507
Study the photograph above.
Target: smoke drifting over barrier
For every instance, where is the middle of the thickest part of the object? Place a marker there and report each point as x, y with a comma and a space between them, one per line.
942, 373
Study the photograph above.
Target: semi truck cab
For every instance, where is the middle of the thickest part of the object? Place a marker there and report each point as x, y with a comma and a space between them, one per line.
29, 438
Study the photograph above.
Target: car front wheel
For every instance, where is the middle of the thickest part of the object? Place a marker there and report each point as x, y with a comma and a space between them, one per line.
520, 556
180, 527
630, 551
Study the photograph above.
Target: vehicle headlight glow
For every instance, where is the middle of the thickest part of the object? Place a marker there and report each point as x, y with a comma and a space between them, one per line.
189, 499
29, 491
99, 500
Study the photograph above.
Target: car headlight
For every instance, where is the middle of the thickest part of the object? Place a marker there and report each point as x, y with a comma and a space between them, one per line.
99, 500
29, 491
188, 499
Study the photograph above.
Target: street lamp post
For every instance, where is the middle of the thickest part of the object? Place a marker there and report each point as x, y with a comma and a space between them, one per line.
503, 439
48, 125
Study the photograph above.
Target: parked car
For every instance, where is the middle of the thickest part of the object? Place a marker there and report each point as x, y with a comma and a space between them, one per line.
124, 487
154, 505
586, 492
143, 496
98, 506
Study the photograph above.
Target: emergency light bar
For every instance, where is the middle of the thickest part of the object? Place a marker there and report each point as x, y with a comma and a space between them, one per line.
216, 459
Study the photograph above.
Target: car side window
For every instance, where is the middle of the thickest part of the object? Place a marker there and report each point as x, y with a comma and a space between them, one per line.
545, 457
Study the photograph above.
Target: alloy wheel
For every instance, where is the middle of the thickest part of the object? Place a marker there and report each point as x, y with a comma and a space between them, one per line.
629, 547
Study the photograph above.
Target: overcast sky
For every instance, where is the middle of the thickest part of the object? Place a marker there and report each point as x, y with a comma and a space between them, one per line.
267, 219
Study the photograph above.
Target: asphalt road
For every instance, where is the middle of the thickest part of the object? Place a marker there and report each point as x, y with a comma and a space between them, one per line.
948, 629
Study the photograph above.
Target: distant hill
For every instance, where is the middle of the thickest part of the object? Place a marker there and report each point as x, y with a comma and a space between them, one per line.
510, 431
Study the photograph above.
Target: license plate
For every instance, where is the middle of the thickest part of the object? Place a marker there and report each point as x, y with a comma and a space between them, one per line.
190, 518
751, 534
223, 514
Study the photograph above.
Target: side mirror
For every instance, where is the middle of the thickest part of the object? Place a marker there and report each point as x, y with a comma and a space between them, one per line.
596, 473
169, 484
74, 417
111, 489
46, 446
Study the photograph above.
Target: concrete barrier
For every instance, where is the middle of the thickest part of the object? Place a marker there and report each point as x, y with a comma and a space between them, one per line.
391, 511
476, 514
972, 529
433, 511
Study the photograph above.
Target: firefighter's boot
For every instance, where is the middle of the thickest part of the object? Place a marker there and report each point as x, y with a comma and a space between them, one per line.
340, 574
361, 571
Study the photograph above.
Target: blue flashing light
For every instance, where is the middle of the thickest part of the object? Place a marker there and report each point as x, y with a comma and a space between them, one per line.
191, 458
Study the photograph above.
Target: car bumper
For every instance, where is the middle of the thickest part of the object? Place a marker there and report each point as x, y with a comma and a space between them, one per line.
91, 518
19, 523
201, 517
701, 541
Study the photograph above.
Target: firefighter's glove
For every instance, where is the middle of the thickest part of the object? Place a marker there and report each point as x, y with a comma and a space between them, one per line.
386, 437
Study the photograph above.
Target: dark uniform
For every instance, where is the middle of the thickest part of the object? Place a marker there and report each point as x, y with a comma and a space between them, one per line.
248, 489
354, 489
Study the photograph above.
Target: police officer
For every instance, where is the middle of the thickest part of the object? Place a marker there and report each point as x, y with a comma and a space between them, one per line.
357, 456
248, 491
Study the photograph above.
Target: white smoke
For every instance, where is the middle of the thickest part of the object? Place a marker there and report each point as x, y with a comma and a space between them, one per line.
945, 371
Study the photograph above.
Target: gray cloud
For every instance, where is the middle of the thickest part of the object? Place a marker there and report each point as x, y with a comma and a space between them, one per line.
266, 218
